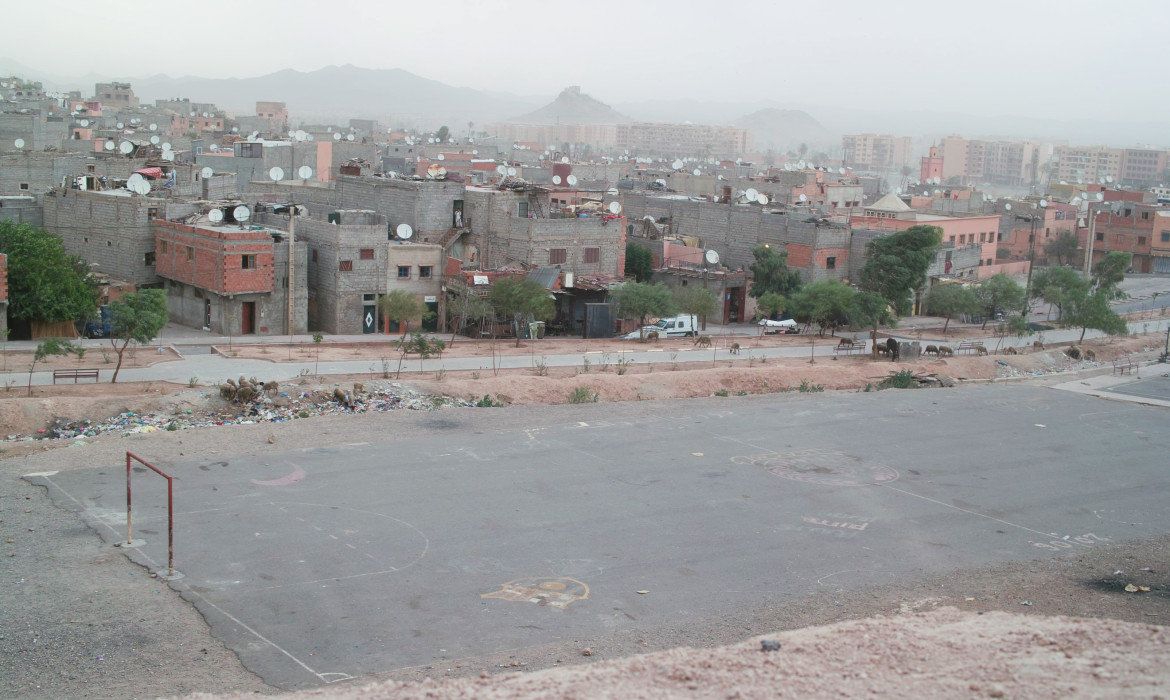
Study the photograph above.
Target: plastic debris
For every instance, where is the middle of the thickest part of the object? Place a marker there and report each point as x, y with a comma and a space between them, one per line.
1025, 602
769, 645
1130, 588
388, 396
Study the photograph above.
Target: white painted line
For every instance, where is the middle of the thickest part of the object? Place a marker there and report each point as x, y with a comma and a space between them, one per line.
42, 474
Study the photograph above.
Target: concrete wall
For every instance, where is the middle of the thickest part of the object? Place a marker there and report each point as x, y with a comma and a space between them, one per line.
427, 206
22, 210
113, 231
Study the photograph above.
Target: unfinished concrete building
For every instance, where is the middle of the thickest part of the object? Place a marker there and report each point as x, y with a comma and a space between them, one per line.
231, 280
428, 206
112, 230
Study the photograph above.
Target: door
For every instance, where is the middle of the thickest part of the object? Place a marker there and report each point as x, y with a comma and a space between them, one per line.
247, 318
207, 314
431, 323
369, 319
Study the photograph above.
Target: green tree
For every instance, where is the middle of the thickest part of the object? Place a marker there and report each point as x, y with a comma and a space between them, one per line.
443, 134
1091, 310
947, 300
771, 303
825, 303
138, 317
402, 306
639, 263
695, 301
870, 310
515, 298
44, 283
1064, 247
998, 293
640, 301
47, 348
465, 305
896, 265
1109, 273
1057, 286
770, 273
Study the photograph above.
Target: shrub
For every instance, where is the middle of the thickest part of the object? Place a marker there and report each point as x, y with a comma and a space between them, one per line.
808, 387
581, 395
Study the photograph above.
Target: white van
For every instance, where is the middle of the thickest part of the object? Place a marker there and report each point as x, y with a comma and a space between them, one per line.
675, 327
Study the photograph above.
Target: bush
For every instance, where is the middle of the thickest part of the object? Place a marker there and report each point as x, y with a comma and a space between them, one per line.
808, 387
721, 392
486, 402
581, 395
899, 380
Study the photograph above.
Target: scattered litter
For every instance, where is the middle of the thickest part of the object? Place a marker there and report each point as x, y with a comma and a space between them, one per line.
1119, 572
388, 397
1146, 568
769, 645
1130, 588
638, 592
586, 652
1025, 602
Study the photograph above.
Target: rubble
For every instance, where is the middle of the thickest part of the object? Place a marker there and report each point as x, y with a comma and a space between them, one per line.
390, 396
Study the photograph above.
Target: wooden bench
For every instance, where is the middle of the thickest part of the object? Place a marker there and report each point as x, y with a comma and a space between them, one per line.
974, 346
849, 347
75, 374
1124, 365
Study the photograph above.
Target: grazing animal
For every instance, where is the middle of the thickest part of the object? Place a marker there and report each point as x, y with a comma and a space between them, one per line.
342, 398
1089, 354
1073, 352
245, 394
652, 337
882, 349
945, 351
359, 388
1010, 351
271, 388
734, 348
703, 341
892, 349
228, 390
980, 350
931, 350
1038, 345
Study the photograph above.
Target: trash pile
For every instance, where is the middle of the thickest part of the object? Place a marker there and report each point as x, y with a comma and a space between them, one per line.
256, 409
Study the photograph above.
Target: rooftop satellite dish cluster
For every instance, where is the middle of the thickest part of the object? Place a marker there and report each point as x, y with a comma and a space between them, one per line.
138, 184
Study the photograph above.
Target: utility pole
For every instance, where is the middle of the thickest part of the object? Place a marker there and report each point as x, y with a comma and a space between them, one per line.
292, 239
1092, 237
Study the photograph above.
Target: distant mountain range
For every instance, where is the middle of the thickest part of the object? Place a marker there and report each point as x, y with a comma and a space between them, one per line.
400, 98
573, 107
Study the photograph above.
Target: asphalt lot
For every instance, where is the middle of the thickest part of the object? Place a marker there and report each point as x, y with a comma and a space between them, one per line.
320, 564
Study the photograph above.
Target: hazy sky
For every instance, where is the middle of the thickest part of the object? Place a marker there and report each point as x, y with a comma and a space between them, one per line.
1054, 59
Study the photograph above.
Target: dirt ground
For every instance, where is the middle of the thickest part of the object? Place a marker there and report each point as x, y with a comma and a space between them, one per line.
79, 620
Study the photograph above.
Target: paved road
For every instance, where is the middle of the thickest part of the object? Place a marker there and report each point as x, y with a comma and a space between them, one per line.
333, 562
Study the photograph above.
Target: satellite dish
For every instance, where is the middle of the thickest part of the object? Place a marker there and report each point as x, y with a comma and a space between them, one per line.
442, 157
475, 152
841, 171
336, 136
154, 140
925, 193
565, 159
1100, 196
696, 172
206, 173
556, 179
192, 114
936, 179
168, 155
166, 145
235, 129
751, 195
1043, 203
677, 165
511, 172
1109, 179
1007, 207
801, 164
213, 148
84, 122
216, 215
1075, 200
19, 143
615, 208
349, 137
572, 180
404, 231
804, 198
121, 125
126, 147
502, 169
242, 213
154, 127
276, 173
711, 257
304, 172
205, 115
109, 144
762, 199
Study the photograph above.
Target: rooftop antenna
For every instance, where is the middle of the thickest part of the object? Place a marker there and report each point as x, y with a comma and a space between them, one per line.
511, 172
276, 173
154, 140
216, 215
349, 137
206, 172
109, 144
19, 143
154, 127
677, 165
168, 155
242, 214
556, 179
304, 172
751, 195
126, 148
121, 125
1007, 207
804, 197
336, 136
696, 172
572, 180
615, 208
404, 231
84, 122
442, 157
166, 145
762, 199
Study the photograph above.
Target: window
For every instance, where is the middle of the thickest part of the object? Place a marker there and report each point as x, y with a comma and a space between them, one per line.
521, 209
1166, 237
982, 237
952, 239
557, 256
162, 245
190, 252
152, 213
367, 254
1100, 236
248, 262
831, 262
345, 266
1141, 240
314, 255
1145, 215
962, 238
990, 261
148, 259
424, 272
404, 272
592, 255
24, 185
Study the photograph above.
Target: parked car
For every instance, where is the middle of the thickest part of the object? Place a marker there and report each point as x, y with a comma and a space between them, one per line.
675, 327
786, 326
